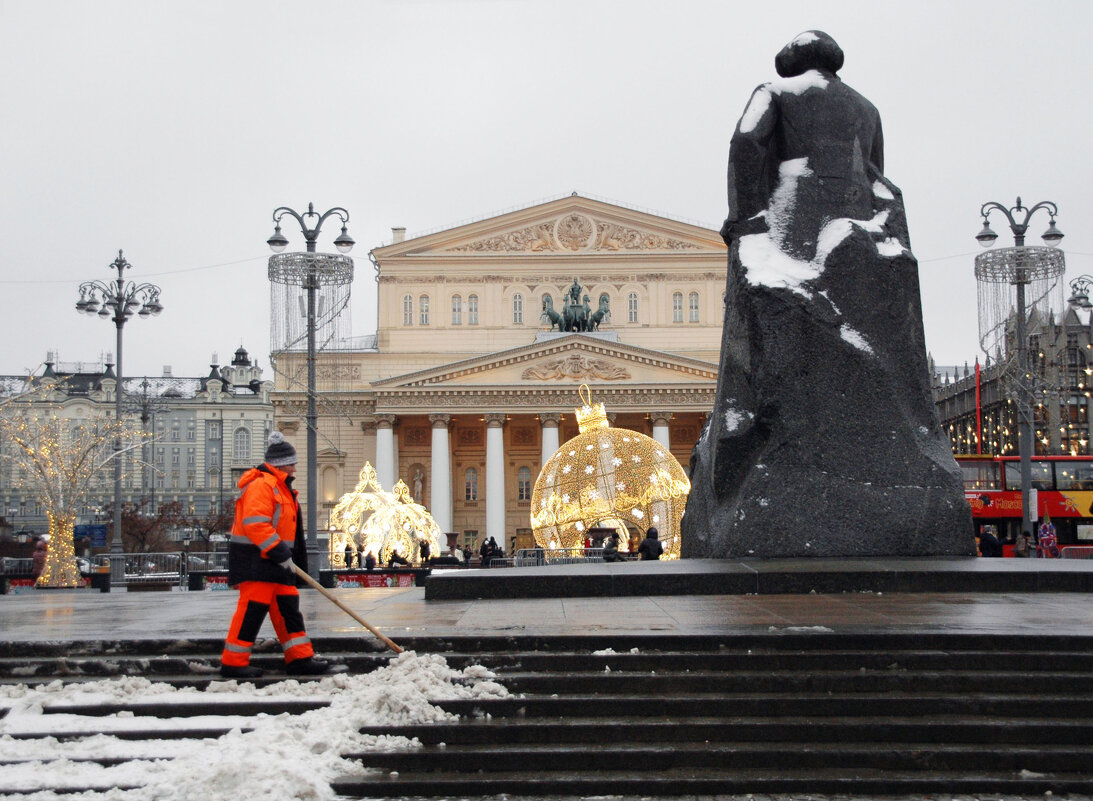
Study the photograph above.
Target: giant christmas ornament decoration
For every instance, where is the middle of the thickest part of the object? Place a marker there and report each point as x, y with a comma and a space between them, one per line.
824, 439
608, 477
371, 520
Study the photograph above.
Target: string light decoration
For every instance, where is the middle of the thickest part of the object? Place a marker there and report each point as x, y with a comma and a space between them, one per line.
58, 460
371, 520
608, 477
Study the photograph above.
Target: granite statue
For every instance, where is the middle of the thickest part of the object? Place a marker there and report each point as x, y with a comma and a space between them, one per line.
824, 440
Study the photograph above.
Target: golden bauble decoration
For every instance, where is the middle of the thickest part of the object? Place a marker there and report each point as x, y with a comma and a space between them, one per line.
609, 477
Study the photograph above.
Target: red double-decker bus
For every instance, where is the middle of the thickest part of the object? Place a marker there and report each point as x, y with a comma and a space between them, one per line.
1062, 489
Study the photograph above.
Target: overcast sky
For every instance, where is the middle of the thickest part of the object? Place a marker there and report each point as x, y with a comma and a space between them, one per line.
173, 129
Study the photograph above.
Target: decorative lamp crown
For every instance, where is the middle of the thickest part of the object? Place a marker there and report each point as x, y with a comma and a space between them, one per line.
591, 415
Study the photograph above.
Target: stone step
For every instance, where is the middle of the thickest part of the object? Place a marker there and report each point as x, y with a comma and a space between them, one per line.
1002, 731
187, 709
781, 705
650, 684
681, 782
644, 756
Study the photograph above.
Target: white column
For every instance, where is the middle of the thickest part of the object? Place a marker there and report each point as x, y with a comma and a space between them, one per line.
495, 478
660, 428
385, 451
549, 422
440, 475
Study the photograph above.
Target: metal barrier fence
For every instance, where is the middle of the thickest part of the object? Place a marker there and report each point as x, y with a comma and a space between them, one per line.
1077, 552
535, 557
15, 565
143, 568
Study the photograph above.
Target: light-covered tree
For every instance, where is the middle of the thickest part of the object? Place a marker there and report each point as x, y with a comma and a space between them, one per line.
59, 459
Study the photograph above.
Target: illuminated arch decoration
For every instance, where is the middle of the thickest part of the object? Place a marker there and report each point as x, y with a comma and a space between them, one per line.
371, 520
608, 477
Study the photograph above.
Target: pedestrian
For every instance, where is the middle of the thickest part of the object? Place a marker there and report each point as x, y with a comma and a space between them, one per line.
424, 550
486, 552
988, 543
348, 555
369, 562
610, 548
266, 540
397, 559
38, 556
650, 547
1023, 547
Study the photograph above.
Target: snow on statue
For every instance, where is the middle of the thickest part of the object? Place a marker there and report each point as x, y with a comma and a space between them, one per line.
824, 440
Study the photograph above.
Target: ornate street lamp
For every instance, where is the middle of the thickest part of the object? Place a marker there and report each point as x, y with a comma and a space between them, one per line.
1019, 266
1079, 292
118, 300
311, 270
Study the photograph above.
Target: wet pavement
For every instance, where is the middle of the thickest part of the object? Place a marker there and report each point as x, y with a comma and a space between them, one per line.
45, 615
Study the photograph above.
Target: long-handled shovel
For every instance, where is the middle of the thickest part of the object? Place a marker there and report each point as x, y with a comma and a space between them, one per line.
313, 583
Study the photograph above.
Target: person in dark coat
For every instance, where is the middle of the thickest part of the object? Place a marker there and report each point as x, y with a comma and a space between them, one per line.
369, 562
989, 544
397, 559
650, 547
611, 548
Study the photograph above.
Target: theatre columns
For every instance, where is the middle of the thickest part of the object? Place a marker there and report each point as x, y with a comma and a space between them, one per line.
660, 428
386, 471
440, 475
495, 477
549, 422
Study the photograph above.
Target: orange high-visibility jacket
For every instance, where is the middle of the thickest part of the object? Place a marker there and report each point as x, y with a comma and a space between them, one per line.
265, 530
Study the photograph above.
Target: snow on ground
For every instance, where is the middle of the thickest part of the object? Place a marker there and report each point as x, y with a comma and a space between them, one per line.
284, 756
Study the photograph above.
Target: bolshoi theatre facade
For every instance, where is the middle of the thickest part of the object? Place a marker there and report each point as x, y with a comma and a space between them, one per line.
469, 387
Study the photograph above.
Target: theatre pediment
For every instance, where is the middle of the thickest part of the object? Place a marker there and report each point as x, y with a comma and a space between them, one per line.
574, 359
569, 225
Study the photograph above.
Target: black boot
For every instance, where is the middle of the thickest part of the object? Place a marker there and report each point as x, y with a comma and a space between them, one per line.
310, 666
240, 672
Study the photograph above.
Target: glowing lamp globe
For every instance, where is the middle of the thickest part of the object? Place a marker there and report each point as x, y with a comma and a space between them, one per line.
609, 477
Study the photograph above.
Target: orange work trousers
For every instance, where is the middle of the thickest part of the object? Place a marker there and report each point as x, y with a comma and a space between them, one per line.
257, 599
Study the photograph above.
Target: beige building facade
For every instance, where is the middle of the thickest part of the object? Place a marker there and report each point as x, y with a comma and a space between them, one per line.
468, 388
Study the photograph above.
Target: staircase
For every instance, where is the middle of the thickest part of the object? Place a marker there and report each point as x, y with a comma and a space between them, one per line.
784, 713
766, 713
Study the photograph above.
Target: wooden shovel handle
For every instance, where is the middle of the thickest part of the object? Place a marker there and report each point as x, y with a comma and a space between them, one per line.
330, 597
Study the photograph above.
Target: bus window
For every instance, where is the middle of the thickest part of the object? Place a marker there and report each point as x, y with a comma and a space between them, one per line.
1075, 475
980, 475
1040, 472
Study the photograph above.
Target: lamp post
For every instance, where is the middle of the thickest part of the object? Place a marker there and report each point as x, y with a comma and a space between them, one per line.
1019, 266
117, 300
311, 270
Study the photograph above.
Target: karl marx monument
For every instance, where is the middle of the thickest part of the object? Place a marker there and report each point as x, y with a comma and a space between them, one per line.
824, 440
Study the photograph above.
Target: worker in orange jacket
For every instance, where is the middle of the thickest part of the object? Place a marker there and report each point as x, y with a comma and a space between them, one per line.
267, 537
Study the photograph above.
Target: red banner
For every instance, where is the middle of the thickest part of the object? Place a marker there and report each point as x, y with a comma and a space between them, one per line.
996, 504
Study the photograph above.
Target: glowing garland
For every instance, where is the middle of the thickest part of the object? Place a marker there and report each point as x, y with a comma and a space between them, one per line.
370, 520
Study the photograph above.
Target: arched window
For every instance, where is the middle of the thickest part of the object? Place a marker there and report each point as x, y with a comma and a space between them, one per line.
692, 307
632, 307
423, 309
407, 309
241, 444
677, 307
457, 310
472, 310
518, 309
470, 486
523, 484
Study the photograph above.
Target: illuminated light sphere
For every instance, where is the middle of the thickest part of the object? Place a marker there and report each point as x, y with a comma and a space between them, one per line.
371, 520
609, 477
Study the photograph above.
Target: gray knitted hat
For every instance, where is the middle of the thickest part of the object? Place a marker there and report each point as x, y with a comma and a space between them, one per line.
278, 452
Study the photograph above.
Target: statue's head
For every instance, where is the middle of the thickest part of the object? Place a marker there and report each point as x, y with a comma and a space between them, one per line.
811, 50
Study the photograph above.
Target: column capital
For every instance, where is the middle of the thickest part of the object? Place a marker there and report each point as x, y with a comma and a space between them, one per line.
440, 420
660, 418
495, 419
550, 419
386, 420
